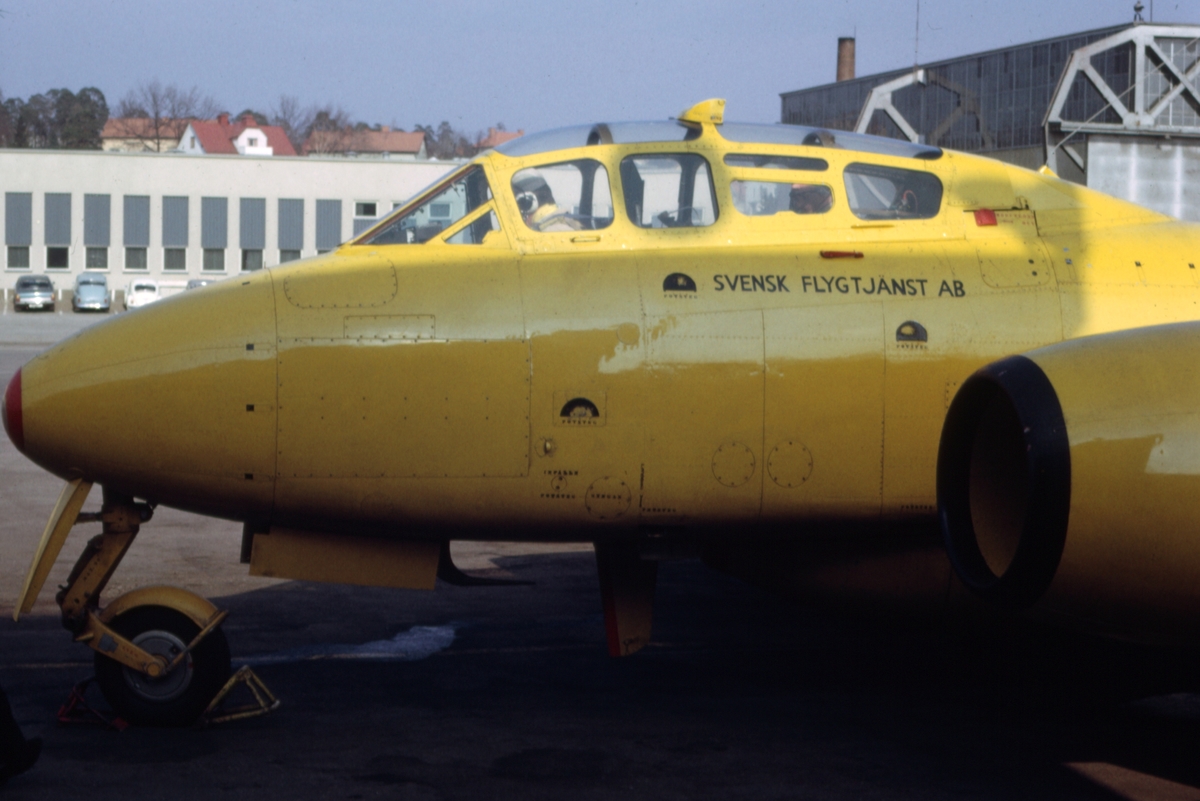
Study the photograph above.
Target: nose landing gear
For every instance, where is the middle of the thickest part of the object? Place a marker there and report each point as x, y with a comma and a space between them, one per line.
161, 656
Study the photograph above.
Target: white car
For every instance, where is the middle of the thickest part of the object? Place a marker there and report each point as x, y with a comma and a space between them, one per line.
141, 292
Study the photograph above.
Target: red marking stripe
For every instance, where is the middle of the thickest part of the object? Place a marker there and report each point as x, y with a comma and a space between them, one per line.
609, 601
10, 411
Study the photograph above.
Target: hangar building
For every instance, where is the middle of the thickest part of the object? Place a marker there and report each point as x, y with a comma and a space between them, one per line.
1117, 109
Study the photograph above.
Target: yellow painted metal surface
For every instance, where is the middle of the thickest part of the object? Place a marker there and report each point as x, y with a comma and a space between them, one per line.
352, 410
313, 556
199, 609
781, 368
712, 111
1132, 550
174, 401
62, 519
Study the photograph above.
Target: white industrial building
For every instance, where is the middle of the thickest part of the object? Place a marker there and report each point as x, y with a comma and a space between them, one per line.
171, 217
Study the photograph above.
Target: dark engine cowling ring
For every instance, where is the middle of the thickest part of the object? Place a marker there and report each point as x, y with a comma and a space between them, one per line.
1004, 464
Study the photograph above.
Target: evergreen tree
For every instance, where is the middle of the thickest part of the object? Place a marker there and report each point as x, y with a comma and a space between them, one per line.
58, 119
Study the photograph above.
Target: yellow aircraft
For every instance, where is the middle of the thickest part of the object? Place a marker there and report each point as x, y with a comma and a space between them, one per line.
742, 340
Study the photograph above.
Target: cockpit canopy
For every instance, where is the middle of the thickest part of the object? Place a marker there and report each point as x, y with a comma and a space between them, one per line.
665, 189
623, 133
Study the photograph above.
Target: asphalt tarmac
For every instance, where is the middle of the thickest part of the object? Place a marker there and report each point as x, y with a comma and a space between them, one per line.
507, 692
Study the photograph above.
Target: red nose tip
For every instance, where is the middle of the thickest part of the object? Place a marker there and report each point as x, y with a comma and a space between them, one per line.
10, 412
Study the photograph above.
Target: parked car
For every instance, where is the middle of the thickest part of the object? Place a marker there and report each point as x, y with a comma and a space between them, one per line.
141, 292
91, 293
196, 283
34, 292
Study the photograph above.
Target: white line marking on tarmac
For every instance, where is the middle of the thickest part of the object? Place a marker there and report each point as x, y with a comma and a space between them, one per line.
419, 642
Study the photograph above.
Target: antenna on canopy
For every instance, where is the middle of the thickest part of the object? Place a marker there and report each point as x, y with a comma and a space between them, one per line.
917, 40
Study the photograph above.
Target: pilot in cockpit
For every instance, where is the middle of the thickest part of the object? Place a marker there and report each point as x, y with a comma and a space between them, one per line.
538, 209
810, 199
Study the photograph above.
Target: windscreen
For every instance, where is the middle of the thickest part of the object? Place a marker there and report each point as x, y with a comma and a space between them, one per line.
440, 208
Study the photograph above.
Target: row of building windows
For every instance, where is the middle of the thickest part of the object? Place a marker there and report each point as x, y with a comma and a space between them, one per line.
176, 237
136, 259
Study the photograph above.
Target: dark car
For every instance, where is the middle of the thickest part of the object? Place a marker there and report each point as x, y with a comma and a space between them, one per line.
34, 292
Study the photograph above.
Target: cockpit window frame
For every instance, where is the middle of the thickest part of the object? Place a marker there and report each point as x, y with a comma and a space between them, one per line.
925, 188
626, 170
753, 160
466, 221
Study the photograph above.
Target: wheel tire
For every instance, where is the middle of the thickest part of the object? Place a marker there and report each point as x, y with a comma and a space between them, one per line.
173, 700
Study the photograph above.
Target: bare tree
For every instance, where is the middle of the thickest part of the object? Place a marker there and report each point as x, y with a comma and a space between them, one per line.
313, 129
157, 115
294, 119
329, 131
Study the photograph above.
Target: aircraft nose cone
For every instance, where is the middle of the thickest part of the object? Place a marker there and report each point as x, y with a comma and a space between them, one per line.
174, 402
10, 412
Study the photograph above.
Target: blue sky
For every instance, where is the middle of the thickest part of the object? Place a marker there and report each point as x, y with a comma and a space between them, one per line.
531, 64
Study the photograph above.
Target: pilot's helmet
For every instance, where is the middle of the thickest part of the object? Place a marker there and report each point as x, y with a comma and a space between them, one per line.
819, 138
532, 191
810, 197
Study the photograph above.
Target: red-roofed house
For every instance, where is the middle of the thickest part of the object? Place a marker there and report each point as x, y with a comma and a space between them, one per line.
245, 137
495, 138
141, 134
383, 143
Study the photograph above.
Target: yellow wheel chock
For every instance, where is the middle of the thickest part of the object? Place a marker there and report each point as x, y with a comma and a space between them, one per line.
264, 700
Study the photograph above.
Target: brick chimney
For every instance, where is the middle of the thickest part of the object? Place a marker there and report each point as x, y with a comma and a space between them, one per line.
385, 129
845, 58
249, 121
223, 119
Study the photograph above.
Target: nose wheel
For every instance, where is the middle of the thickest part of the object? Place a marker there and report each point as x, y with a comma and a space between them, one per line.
160, 654
178, 697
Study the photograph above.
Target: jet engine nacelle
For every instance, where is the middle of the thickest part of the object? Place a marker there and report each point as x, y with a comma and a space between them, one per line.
1069, 482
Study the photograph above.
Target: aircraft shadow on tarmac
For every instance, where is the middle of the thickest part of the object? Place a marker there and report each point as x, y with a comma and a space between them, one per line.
739, 695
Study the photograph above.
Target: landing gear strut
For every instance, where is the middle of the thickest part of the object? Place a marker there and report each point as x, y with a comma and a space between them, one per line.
160, 654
